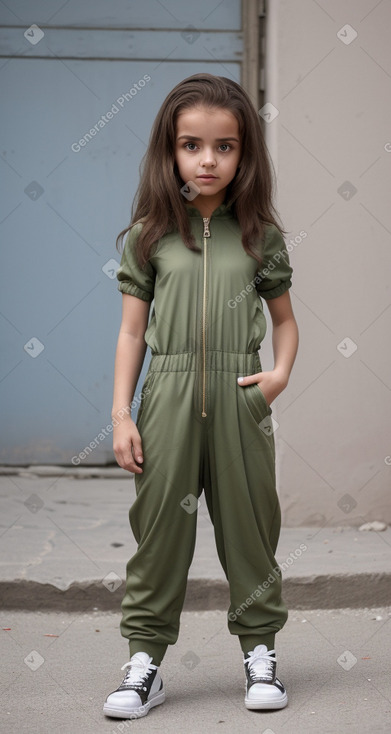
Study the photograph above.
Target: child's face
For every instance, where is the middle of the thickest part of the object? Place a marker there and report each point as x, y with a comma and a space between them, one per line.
207, 152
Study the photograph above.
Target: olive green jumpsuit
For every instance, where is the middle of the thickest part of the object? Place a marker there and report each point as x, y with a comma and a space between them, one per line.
200, 430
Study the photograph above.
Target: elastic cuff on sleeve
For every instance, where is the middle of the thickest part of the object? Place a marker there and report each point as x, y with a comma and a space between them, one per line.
277, 291
133, 290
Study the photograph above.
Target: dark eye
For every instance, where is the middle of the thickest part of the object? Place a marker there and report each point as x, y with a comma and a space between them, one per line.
191, 149
224, 147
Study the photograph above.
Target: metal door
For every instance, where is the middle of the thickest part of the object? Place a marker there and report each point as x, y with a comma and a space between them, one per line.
82, 84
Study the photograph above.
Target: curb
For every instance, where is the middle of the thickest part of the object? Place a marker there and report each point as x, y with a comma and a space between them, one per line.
338, 591
85, 472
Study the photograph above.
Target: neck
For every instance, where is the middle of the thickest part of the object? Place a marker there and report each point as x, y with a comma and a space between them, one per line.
206, 207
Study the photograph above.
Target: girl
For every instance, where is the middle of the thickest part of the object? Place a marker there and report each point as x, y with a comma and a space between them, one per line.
205, 245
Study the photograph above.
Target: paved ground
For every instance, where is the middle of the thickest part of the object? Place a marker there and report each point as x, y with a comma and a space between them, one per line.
65, 541
335, 666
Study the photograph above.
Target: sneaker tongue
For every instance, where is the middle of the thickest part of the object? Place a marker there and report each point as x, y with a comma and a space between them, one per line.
261, 649
258, 650
143, 656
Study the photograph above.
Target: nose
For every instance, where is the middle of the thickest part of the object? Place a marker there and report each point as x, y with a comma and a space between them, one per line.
207, 157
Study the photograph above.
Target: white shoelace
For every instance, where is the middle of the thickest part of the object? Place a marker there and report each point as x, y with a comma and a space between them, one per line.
261, 664
137, 672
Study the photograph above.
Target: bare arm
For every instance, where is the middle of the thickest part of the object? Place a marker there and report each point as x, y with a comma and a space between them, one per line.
285, 337
129, 358
285, 341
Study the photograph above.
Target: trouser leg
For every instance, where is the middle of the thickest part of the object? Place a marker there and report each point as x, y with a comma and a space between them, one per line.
164, 515
240, 491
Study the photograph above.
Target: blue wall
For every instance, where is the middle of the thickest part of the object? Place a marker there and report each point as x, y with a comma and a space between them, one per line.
62, 206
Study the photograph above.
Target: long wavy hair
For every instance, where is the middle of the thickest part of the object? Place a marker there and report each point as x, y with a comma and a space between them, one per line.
158, 203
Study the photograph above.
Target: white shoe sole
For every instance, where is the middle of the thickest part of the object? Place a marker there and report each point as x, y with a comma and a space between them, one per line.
260, 704
119, 713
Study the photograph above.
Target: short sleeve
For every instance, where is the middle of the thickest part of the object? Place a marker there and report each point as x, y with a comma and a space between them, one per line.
275, 275
132, 278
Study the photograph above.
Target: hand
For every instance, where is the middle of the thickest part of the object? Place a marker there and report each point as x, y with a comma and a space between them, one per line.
271, 383
127, 445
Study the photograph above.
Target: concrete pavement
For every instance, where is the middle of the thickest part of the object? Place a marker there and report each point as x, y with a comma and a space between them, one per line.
65, 540
334, 664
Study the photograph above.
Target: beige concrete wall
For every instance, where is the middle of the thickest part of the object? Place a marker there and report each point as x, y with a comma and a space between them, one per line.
331, 145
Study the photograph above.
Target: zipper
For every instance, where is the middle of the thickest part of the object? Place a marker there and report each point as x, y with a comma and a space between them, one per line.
206, 234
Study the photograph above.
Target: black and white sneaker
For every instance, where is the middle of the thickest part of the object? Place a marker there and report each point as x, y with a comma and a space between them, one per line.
263, 689
141, 689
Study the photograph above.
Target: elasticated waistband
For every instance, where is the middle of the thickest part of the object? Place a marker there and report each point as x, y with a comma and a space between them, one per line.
215, 361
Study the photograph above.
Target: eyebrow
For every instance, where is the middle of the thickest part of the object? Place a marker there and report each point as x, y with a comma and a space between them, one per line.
218, 140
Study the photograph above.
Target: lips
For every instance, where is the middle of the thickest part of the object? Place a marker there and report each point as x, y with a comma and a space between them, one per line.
207, 177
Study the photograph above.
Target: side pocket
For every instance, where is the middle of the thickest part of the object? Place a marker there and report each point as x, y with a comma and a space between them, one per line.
263, 397
256, 402
145, 395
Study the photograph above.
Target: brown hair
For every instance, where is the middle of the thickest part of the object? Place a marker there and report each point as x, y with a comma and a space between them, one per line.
158, 202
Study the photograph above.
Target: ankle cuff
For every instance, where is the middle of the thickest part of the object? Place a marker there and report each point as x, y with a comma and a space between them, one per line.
154, 649
248, 642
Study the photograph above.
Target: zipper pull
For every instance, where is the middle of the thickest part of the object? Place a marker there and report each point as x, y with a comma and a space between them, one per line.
206, 226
